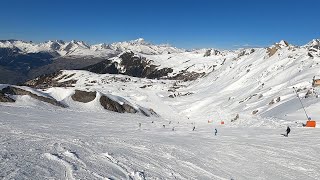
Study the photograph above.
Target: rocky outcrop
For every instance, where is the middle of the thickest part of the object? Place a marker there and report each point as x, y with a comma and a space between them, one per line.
17, 91
273, 49
116, 104
235, 118
136, 66
112, 105
148, 112
103, 67
83, 96
187, 76
255, 112
211, 52
245, 52
5, 98
273, 101
123, 107
131, 65
51, 80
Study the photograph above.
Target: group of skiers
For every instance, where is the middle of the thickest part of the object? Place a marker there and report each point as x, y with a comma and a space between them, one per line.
173, 128
216, 131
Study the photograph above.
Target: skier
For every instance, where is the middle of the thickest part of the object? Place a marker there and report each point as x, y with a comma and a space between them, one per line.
288, 131
193, 128
215, 131
139, 125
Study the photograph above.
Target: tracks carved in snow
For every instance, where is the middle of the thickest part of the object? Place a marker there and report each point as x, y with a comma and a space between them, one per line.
69, 167
127, 171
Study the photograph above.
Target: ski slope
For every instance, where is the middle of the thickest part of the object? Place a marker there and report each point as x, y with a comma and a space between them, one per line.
50, 143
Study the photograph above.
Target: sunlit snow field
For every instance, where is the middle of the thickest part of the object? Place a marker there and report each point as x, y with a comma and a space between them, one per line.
51, 143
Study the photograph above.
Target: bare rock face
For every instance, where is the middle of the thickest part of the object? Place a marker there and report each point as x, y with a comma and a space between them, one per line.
207, 53
187, 76
255, 112
245, 52
211, 52
273, 49
103, 67
17, 91
132, 65
235, 118
112, 105
115, 106
148, 112
50, 80
136, 66
83, 96
4, 98
273, 101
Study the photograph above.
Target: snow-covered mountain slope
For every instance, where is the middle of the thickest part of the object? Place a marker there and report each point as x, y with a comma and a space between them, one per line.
143, 92
250, 82
257, 85
138, 65
71, 98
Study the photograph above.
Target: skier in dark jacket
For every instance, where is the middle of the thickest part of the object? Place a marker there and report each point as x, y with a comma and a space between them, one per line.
288, 131
215, 131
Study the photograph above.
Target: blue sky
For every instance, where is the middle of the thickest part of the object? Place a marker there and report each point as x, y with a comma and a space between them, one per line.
182, 23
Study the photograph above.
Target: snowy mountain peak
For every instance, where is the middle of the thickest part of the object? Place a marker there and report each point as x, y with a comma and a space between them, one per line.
55, 41
283, 43
139, 41
80, 43
315, 43
143, 47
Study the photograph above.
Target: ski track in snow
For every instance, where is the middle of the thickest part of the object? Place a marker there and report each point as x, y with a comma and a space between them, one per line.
87, 145
69, 168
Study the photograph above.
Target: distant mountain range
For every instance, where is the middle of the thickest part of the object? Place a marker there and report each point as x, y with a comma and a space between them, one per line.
80, 48
21, 60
